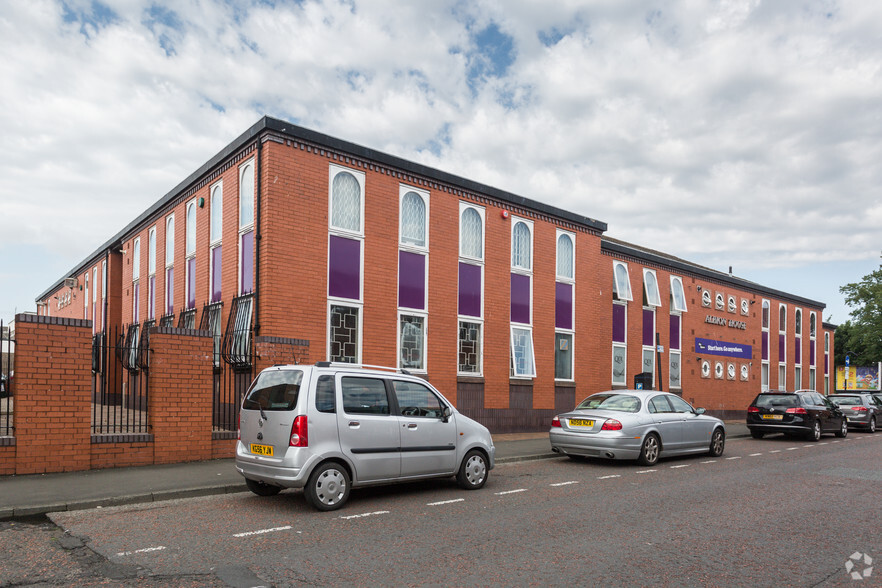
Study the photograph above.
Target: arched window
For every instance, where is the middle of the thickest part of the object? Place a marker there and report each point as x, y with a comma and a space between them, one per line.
520, 247
782, 319
217, 213
798, 322
766, 311
346, 202
678, 295
170, 241
471, 232
136, 260
191, 229
622, 281
413, 220
246, 196
565, 257
813, 325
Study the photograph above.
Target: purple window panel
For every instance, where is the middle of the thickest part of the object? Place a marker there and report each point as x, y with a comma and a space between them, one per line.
520, 299
411, 280
648, 327
191, 282
798, 350
563, 305
136, 292
765, 345
781, 347
675, 331
618, 323
151, 297
247, 271
170, 290
344, 268
216, 273
469, 289
812, 354
826, 363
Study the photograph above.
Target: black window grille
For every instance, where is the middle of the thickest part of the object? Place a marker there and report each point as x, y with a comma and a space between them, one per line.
167, 320
144, 345
97, 355
236, 348
127, 348
211, 321
187, 320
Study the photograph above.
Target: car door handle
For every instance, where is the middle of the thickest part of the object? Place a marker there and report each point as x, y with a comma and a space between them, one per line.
354, 424
411, 425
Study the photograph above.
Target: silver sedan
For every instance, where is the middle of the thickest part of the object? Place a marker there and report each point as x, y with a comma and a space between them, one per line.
636, 424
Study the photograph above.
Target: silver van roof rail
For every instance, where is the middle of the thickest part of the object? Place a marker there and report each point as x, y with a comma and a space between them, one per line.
343, 364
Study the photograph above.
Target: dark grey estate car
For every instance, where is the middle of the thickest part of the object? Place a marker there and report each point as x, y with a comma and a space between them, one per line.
862, 410
804, 412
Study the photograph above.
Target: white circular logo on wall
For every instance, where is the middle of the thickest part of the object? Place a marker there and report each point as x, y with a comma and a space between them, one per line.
719, 370
745, 306
720, 302
705, 369
744, 371
706, 298
731, 371
732, 304
859, 566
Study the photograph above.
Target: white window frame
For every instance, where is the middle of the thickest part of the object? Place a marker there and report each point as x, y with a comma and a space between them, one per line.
482, 215
624, 348
216, 206
136, 259
406, 312
782, 376
169, 241
480, 322
678, 352
245, 227
813, 326
519, 269
333, 171
766, 305
86, 296
559, 234
512, 362
572, 336
617, 285
813, 382
403, 190
649, 348
782, 361
797, 322
677, 281
151, 251
797, 376
764, 376
350, 304
649, 293
190, 231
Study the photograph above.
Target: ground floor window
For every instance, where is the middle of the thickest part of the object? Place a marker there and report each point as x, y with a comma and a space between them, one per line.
797, 377
412, 342
619, 360
563, 356
674, 370
211, 321
344, 333
765, 377
649, 362
187, 320
827, 385
782, 377
469, 352
812, 379
523, 363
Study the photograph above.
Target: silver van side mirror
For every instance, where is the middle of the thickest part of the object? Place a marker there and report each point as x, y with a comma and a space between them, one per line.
445, 414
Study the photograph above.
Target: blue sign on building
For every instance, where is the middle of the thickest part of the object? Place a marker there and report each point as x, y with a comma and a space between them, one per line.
724, 348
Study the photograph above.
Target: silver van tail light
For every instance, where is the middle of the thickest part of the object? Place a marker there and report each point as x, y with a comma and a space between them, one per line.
299, 433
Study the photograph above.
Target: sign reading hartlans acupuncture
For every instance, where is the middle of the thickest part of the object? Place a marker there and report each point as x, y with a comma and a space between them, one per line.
865, 379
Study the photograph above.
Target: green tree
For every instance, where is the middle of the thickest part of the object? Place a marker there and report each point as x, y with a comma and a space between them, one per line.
862, 334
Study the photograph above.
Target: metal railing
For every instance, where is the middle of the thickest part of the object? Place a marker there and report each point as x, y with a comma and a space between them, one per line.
7, 380
119, 388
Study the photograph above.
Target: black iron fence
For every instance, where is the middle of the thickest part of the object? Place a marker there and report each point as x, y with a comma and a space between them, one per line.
7, 380
120, 360
234, 361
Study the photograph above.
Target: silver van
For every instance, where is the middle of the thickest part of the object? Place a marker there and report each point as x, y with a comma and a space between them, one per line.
331, 427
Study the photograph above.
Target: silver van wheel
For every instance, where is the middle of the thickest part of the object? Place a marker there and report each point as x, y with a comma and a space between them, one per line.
472, 473
328, 487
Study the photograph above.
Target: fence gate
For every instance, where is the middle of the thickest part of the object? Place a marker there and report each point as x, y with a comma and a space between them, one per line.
120, 363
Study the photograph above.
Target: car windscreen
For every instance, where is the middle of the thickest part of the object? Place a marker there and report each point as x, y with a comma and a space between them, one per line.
846, 400
275, 390
618, 402
776, 400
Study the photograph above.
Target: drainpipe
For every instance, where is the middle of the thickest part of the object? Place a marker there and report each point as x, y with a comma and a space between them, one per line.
258, 235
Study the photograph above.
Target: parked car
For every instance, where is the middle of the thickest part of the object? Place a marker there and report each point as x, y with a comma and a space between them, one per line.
331, 427
861, 410
636, 424
804, 412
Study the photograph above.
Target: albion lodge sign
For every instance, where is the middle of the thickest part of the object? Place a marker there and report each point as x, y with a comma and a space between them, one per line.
724, 322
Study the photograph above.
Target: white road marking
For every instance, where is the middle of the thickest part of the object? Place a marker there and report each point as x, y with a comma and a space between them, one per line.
792, 448
366, 514
608, 477
145, 550
679, 466
836, 442
565, 483
736, 457
445, 502
824, 443
754, 454
645, 471
775, 451
262, 531
511, 491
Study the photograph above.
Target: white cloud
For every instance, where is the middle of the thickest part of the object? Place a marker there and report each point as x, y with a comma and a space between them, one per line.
742, 133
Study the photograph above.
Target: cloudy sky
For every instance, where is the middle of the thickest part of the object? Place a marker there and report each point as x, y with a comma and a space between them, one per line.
729, 133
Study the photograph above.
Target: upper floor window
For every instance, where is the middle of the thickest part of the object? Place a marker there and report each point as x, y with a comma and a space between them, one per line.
191, 229
217, 213
170, 241
471, 232
678, 295
782, 319
650, 286
813, 325
413, 218
565, 256
347, 204
151, 252
136, 259
621, 282
766, 312
826, 342
521, 246
246, 195
797, 323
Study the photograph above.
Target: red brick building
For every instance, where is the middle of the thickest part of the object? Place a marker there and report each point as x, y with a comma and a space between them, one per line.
513, 308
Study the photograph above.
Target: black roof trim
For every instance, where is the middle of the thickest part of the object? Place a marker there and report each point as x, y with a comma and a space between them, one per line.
296, 132
622, 248
829, 326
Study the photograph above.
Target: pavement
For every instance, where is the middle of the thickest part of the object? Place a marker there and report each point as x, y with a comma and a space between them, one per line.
23, 496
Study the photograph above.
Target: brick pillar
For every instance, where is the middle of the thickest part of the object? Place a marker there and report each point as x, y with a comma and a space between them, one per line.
53, 389
180, 394
270, 351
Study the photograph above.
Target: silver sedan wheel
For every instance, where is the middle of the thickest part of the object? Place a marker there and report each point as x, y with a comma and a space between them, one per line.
718, 443
649, 451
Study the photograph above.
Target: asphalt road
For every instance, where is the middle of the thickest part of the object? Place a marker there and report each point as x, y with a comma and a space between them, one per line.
771, 512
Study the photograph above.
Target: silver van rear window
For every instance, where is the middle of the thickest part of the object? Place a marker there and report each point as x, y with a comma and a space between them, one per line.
274, 390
